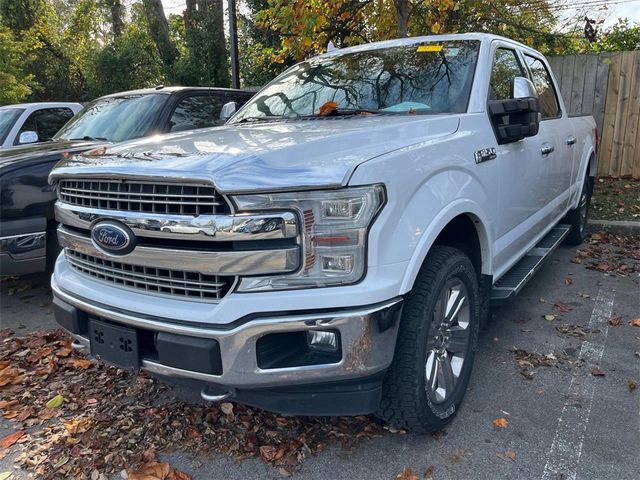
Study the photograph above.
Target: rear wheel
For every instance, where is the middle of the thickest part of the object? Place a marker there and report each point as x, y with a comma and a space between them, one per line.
428, 378
579, 216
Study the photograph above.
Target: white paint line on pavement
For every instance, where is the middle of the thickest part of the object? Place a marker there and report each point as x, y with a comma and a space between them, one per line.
566, 448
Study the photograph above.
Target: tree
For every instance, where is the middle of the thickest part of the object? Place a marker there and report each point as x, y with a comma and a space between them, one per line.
159, 30
620, 37
15, 84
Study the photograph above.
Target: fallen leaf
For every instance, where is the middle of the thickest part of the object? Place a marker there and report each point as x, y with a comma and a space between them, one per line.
407, 474
562, 307
179, 475
5, 475
284, 472
458, 455
77, 425
568, 280
632, 383
268, 452
10, 439
550, 317
55, 402
500, 423
509, 454
150, 471
227, 408
596, 372
635, 322
82, 363
327, 108
615, 321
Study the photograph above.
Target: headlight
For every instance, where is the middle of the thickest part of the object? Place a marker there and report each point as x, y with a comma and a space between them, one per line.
335, 224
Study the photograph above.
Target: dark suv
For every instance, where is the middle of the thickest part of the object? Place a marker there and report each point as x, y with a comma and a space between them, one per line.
28, 241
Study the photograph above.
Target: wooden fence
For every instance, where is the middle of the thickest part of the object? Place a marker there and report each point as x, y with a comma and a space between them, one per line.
606, 86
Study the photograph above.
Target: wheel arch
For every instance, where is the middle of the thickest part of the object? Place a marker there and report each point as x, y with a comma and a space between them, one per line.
462, 226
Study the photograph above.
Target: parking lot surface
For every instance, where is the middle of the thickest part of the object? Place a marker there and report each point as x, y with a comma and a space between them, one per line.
535, 368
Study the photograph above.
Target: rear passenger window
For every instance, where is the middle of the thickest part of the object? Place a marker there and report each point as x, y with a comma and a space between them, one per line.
46, 122
505, 68
549, 105
197, 112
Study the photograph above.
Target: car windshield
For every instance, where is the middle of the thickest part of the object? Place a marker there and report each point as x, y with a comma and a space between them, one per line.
114, 119
426, 78
8, 117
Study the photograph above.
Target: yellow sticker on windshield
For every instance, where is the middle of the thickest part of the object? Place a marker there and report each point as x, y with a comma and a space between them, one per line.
429, 48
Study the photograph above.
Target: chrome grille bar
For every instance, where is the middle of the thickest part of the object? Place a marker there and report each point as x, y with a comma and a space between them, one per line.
210, 228
150, 279
163, 198
228, 263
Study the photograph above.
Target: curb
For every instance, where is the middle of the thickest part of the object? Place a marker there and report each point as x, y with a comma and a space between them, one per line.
615, 226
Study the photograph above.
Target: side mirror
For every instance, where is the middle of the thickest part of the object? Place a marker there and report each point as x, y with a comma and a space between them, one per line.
28, 137
517, 117
228, 109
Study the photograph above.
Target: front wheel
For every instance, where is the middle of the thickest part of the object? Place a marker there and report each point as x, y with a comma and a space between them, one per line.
579, 216
428, 377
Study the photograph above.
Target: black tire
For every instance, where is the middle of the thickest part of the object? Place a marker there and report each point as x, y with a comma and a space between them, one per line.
53, 249
579, 216
407, 400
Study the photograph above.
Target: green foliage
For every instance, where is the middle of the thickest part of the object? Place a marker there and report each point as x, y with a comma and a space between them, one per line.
15, 85
70, 50
620, 37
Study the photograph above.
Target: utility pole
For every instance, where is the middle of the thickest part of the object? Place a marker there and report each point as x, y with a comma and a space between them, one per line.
233, 45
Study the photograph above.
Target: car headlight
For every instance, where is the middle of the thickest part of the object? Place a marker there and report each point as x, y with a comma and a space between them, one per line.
334, 225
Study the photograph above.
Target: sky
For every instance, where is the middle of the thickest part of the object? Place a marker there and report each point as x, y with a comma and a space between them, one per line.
615, 9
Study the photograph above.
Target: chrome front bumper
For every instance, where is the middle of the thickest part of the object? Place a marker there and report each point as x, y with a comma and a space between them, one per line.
368, 336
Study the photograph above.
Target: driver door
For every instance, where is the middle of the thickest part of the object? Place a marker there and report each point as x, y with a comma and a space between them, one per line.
521, 194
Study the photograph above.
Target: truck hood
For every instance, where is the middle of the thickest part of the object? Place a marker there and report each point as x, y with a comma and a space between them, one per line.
28, 154
261, 156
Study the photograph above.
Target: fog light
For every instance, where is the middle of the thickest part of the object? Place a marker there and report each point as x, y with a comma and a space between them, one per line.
322, 340
337, 263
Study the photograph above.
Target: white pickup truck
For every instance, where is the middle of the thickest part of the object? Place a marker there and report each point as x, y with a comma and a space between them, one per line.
335, 247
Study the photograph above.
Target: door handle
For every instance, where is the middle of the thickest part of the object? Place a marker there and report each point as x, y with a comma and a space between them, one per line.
546, 149
571, 140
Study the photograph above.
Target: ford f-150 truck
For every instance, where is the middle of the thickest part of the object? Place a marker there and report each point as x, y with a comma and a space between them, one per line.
335, 247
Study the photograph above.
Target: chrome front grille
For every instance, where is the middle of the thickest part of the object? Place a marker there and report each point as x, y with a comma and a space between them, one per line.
159, 281
128, 196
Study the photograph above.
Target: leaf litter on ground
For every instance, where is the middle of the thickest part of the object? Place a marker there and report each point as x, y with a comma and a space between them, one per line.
610, 253
104, 419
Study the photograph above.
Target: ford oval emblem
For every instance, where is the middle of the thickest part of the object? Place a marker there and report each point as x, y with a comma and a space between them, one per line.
113, 238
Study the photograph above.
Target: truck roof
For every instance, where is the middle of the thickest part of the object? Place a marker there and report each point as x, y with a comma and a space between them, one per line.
483, 37
170, 90
41, 105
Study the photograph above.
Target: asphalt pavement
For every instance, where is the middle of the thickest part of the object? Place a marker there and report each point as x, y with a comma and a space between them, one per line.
563, 422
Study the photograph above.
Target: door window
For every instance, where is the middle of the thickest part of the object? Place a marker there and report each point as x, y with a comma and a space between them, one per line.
46, 122
549, 105
505, 68
199, 111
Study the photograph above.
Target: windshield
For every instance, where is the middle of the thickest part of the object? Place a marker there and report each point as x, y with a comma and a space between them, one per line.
114, 119
8, 117
421, 78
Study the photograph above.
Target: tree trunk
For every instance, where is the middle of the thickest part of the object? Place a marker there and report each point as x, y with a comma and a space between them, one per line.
117, 25
190, 14
402, 17
159, 29
213, 16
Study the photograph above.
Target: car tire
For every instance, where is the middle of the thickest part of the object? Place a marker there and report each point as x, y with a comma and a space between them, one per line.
427, 380
53, 249
578, 217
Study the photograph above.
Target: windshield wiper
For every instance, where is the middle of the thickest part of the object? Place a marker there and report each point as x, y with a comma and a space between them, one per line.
87, 137
354, 111
264, 118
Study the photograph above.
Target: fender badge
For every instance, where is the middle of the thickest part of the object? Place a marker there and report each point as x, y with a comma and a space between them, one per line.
485, 154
